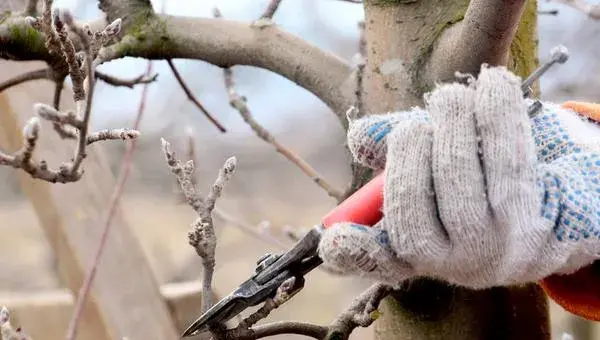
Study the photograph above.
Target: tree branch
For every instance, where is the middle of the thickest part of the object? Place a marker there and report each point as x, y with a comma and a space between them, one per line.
130, 83
251, 230
484, 36
254, 231
226, 43
25, 77
283, 294
284, 327
58, 87
271, 9
362, 312
202, 235
193, 98
239, 103
220, 42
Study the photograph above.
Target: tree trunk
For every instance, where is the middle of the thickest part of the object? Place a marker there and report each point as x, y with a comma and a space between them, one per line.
402, 36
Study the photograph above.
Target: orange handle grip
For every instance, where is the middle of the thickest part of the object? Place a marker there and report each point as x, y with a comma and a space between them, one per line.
363, 207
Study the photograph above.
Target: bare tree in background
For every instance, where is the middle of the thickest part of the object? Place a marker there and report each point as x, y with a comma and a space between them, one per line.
407, 47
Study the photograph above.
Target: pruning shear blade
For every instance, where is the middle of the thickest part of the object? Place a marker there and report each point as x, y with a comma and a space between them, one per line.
271, 272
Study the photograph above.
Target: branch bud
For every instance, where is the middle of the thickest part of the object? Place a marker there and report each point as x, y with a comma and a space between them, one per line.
31, 130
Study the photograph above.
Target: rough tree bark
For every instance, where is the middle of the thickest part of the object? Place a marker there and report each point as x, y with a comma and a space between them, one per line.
411, 45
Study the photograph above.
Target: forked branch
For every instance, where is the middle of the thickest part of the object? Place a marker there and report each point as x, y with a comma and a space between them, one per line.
202, 234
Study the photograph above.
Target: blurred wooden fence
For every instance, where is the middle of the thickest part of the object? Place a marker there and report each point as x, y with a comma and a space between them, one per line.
126, 300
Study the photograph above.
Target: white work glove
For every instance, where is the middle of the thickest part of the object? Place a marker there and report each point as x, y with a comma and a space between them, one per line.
475, 193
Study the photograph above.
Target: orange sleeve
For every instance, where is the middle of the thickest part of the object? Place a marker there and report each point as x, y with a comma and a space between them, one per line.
578, 293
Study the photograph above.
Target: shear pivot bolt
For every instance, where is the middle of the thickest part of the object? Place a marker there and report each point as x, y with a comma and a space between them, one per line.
265, 261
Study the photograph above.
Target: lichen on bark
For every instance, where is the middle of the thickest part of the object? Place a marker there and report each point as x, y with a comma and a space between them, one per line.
523, 51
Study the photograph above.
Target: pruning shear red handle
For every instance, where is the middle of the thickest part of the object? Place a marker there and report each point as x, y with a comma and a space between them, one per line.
363, 207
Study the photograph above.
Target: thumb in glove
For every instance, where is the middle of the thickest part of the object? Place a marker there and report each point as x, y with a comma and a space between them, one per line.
358, 250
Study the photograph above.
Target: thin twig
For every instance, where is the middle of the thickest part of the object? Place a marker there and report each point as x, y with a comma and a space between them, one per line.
283, 294
68, 50
193, 98
245, 227
130, 83
108, 134
271, 9
61, 129
25, 77
284, 327
190, 145
58, 87
360, 313
239, 103
362, 40
112, 208
250, 229
191, 148
81, 151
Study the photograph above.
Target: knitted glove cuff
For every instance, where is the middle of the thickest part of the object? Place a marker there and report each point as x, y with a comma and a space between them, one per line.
367, 136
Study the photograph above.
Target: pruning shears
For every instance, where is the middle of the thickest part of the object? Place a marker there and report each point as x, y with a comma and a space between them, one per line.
363, 207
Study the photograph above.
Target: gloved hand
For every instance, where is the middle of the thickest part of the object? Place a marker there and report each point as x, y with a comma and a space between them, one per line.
475, 194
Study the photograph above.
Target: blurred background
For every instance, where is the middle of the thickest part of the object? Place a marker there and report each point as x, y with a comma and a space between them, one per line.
266, 187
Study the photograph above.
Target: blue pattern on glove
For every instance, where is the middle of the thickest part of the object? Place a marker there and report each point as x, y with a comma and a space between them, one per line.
568, 181
378, 234
551, 137
380, 126
571, 195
